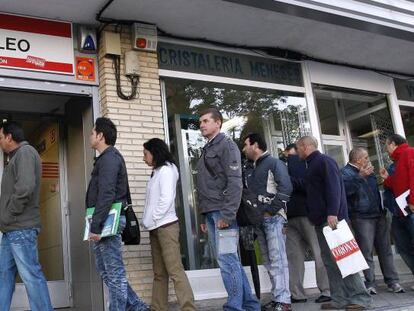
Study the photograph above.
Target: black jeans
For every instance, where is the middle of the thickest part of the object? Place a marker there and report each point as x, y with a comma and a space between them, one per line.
402, 230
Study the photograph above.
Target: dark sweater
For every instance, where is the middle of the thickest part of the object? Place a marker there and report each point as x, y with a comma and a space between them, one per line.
108, 184
297, 204
324, 188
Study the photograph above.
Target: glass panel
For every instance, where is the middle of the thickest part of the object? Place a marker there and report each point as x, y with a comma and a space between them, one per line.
407, 115
336, 152
328, 117
245, 110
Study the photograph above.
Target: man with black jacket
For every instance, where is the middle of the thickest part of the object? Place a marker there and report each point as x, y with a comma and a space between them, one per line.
270, 181
301, 236
109, 184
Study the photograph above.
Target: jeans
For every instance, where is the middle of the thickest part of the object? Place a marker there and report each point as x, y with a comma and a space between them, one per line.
224, 243
109, 264
344, 291
370, 233
272, 243
402, 230
18, 253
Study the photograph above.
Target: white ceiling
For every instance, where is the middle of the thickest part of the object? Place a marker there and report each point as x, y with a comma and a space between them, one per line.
236, 24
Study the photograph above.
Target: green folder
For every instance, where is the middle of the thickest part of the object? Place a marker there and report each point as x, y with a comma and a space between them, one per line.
111, 223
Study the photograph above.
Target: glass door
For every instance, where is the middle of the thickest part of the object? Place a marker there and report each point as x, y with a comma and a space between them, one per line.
349, 119
407, 115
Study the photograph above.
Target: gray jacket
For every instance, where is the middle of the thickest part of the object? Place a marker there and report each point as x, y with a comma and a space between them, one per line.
20, 187
219, 179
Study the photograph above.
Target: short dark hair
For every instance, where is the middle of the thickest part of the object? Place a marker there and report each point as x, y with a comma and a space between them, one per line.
396, 139
159, 151
215, 114
257, 138
291, 146
13, 128
107, 128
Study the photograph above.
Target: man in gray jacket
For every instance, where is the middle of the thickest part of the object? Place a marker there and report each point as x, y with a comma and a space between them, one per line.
20, 220
219, 187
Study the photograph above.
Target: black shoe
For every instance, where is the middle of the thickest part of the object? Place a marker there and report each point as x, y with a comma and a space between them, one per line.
298, 300
269, 306
322, 298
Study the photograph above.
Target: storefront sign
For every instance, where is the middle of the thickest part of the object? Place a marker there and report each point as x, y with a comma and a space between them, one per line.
404, 89
225, 64
36, 44
85, 68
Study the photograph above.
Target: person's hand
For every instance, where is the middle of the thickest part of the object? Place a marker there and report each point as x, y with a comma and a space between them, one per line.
332, 222
221, 224
411, 206
203, 228
94, 237
383, 173
366, 171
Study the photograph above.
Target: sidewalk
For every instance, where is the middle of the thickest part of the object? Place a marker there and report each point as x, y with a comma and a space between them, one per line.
384, 301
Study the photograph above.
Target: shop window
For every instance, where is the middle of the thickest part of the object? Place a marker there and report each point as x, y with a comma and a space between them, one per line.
281, 117
407, 115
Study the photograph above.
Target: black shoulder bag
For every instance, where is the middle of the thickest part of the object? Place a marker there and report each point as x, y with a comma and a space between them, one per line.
131, 234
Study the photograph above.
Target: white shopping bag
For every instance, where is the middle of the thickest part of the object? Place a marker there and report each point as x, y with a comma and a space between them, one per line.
345, 249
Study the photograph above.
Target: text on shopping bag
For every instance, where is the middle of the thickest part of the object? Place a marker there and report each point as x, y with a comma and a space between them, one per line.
344, 250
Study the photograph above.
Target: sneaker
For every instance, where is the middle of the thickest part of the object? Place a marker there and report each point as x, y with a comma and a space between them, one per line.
412, 287
280, 306
396, 288
371, 290
269, 306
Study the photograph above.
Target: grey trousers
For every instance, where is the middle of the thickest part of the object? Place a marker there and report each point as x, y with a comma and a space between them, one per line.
370, 233
301, 235
344, 291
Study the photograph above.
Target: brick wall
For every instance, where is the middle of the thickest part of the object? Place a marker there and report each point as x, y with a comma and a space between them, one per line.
137, 121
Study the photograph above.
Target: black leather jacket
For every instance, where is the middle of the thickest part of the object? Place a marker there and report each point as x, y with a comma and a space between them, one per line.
108, 184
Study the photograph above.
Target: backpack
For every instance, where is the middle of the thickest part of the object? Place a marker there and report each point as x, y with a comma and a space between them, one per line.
249, 213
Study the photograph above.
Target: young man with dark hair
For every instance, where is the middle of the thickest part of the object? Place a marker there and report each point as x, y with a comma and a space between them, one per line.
270, 182
109, 184
20, 220
219, 187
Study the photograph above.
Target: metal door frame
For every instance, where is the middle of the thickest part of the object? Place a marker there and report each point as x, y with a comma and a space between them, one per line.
56, 288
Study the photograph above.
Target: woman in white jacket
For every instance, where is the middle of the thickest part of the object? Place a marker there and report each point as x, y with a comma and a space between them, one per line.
162, 222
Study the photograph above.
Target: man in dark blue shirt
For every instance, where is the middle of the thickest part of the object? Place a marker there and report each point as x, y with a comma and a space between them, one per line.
369, 219
326, 202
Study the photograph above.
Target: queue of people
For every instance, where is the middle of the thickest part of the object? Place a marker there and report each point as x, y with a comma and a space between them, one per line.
296, 197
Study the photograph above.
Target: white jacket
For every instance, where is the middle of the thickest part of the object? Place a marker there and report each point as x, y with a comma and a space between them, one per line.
160, 197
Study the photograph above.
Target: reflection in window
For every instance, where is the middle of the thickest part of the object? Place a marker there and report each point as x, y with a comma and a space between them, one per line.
281, 118
407, 115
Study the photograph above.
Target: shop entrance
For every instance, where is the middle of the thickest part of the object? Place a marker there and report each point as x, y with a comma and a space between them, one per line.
350, 119
57, 126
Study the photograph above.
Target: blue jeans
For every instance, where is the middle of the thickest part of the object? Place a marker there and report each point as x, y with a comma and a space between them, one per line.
108, 255
225, 243
402, 230
272, 243
18, 253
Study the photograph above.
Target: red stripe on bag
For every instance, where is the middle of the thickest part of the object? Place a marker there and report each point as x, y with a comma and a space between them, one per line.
345, 250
